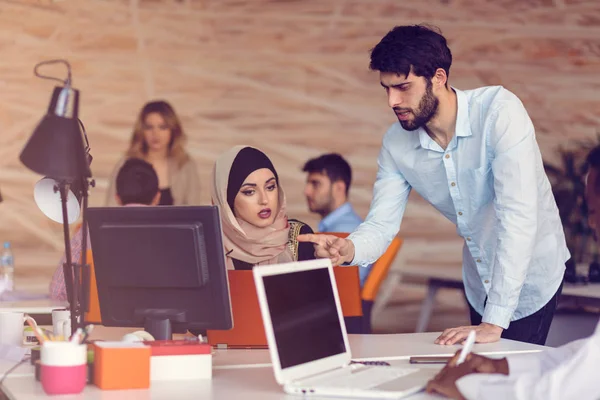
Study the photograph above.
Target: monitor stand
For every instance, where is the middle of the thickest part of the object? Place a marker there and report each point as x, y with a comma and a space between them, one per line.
157, 321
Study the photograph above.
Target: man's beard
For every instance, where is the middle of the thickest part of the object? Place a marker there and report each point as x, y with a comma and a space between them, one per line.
427, 109
323, 208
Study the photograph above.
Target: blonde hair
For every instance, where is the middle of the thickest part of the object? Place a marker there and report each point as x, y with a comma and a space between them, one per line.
139, 148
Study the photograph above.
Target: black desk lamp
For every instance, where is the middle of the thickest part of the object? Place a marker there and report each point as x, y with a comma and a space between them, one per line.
56, 149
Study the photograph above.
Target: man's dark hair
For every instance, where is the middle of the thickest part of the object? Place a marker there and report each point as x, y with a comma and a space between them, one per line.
137, 182
418, 48
333, 165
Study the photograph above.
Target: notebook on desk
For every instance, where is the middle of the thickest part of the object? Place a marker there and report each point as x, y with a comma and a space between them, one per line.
307, 339
248, 330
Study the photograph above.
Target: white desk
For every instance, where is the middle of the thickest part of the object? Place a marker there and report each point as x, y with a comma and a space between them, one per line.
247, 373
32, 307
451, 277
582, 295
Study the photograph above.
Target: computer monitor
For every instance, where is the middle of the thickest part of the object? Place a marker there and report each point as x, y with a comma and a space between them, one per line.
161, 268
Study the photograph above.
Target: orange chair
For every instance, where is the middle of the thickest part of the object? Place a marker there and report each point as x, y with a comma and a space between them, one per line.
243, 297
248, 330
380, 268
377, 275
93, 315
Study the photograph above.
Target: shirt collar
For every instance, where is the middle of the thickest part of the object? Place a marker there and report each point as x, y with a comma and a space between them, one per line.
463, 127
334, 216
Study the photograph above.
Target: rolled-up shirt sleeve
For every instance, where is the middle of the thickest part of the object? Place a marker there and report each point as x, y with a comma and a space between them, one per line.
516, 205
390, 195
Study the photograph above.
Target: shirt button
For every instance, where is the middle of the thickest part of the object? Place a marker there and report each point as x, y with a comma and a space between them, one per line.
468, 239
486, 281
460, 213
479, 260
447, 155
453, 184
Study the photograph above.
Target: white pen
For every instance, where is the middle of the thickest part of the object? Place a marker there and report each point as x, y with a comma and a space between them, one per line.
469, 342
76, 336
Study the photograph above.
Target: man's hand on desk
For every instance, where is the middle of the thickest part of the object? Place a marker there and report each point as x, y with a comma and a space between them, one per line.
338, 250
486, 333
444, 382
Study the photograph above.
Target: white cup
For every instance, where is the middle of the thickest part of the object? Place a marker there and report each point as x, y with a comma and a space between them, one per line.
11, 327
61, 323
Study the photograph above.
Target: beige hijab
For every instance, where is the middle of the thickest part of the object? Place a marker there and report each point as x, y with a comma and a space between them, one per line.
244, 241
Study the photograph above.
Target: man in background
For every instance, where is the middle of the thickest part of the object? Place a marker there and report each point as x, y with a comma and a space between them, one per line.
327, 187
137, 185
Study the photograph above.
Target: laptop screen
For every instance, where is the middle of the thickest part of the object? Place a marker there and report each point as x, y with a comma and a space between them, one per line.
304, 316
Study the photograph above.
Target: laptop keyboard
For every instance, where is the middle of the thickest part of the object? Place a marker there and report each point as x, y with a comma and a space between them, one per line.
364, 378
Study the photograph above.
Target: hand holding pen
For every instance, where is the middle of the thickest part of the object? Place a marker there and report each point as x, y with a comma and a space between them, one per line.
467, 347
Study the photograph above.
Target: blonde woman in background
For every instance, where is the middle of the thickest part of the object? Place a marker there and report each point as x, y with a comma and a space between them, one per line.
159, 139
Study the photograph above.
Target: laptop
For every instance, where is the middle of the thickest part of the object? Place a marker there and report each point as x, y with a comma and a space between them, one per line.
307, 338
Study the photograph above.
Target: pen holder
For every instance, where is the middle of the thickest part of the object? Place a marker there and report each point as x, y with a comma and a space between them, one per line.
63, 367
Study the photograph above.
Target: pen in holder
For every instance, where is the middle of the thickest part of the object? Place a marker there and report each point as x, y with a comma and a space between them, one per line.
63, 367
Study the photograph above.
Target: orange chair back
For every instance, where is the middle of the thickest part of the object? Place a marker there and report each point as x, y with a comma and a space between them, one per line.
248, 329
380, 270
93, 315
244, 302
348, 283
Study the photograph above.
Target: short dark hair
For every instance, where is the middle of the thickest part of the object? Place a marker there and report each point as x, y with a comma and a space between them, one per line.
418, 48
137, 182
333, 165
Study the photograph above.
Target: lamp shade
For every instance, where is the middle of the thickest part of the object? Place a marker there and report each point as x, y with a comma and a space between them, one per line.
56, 149
48, 201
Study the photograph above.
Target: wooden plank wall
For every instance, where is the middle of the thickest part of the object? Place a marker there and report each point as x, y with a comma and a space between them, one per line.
290, 77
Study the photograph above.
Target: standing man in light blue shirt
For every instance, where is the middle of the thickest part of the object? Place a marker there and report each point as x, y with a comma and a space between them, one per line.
326, 190
473, 155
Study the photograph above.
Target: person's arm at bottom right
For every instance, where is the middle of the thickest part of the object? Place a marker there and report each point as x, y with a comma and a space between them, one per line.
568, 372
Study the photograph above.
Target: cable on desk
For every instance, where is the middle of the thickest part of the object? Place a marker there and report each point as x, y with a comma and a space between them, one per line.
11, 369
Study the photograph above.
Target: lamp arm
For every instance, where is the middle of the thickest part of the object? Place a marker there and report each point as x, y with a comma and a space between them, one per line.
85, 268
68, 272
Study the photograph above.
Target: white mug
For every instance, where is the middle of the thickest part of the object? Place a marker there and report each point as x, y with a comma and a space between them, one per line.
61, 323
11, 327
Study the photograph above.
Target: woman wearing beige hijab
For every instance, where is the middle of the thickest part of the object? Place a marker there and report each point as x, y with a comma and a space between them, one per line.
252, 204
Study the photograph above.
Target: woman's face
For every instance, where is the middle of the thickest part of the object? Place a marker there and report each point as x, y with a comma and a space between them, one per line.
257, 201
156, 132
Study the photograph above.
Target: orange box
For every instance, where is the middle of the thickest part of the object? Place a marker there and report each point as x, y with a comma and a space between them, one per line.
121, 365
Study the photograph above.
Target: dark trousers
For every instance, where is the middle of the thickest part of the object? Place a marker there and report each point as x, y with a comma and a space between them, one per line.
531, 329
360, 324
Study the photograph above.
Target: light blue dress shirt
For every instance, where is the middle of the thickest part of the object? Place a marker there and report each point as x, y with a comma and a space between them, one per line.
490, 182
342, 219
345, 219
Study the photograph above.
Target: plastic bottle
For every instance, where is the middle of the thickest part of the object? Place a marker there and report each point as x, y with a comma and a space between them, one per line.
7, 262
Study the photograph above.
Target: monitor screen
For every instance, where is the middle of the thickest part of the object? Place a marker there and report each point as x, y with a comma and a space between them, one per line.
303, 313
160, 263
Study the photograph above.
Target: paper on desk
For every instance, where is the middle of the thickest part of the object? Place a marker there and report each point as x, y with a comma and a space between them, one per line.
12, 353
